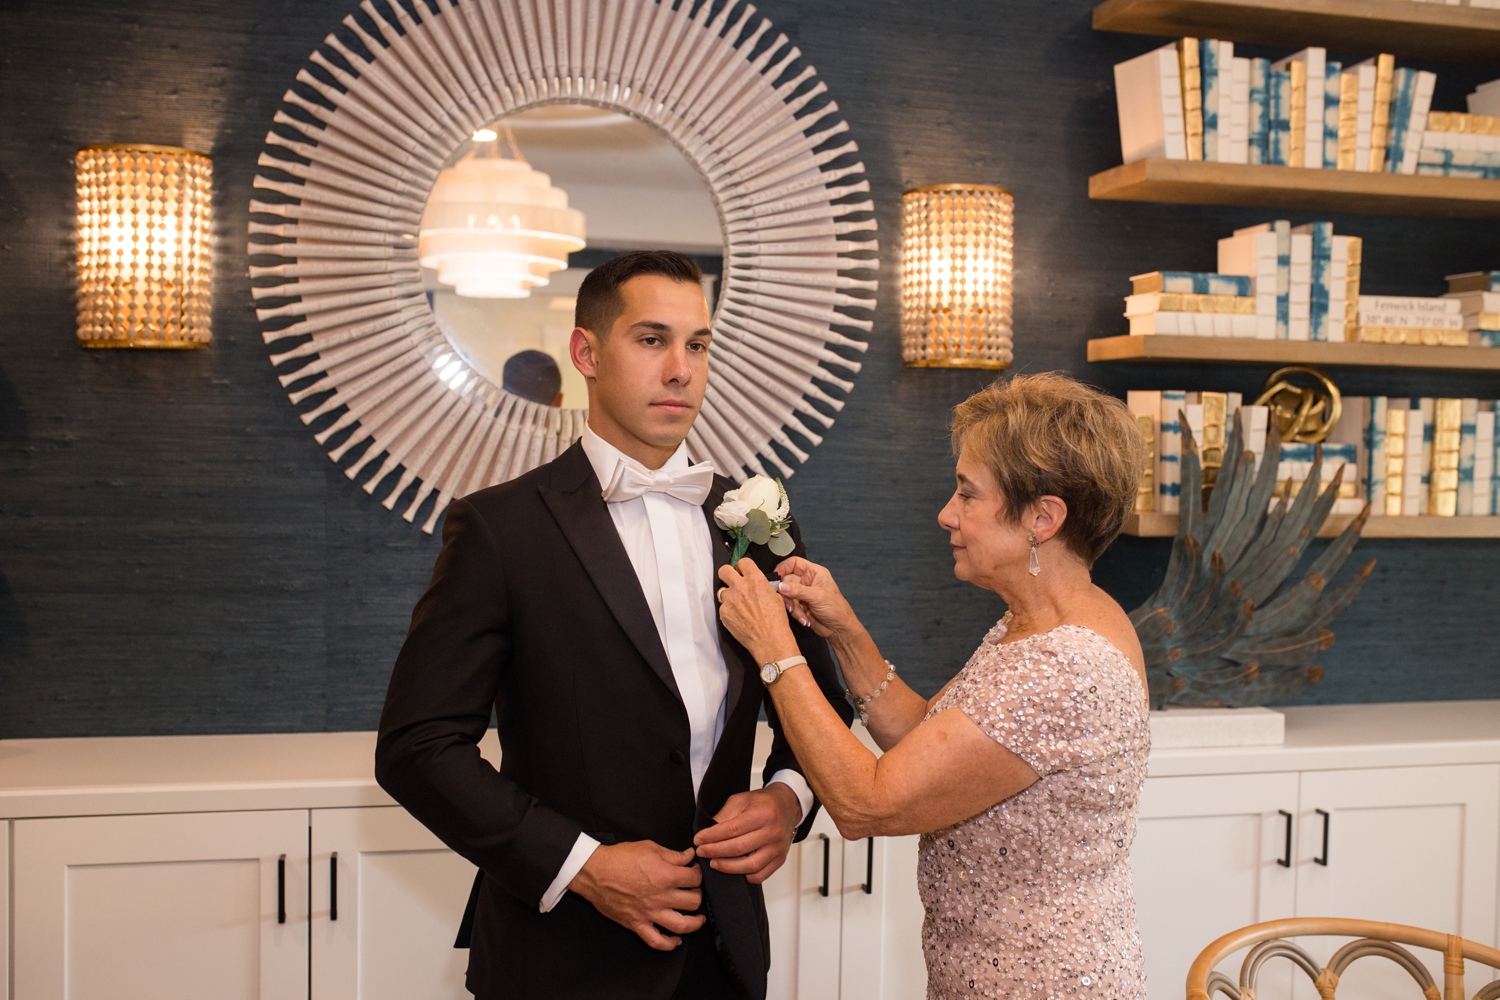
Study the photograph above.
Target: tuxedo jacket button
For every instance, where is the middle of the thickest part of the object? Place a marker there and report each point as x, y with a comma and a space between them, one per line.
677, 757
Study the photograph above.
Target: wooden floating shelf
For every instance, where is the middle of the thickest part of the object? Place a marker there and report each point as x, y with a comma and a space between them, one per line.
1433, 30
1163, 347
1195, 182
1165, 526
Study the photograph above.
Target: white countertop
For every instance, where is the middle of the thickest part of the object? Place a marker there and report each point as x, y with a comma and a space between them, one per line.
1335, 737
139, 774
91, 776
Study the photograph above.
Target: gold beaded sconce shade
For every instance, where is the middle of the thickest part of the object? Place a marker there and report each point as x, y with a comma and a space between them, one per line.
956, 276
144, 233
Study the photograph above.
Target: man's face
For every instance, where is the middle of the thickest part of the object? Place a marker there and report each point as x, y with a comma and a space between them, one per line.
647, 377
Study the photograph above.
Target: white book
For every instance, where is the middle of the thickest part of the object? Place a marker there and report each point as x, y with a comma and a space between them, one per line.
1316, 60
1484, 462
1255, 418
1253, 252
1148, 96
1421, 105
1239, 111
1425, 478
1412, 501
1299, 313
1338, 290
1365, 118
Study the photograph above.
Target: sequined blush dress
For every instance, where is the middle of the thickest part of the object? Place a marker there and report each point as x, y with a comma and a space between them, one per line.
1032, 898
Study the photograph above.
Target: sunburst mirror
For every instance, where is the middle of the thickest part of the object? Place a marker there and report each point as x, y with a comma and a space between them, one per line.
398, 363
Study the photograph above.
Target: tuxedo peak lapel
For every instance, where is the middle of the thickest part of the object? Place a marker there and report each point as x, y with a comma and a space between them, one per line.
735, 662
576, 500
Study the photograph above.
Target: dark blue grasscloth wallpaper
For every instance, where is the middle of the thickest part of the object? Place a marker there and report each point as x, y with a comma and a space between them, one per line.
177, 555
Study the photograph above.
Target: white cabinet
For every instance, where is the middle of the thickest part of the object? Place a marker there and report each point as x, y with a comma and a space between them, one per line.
387, 897
881, 956
1409, 845
166, 872
1413, 840
159, 907
846, 920
1208, 858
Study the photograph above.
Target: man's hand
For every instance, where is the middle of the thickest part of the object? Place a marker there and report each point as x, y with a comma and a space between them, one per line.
645, 887
752, 833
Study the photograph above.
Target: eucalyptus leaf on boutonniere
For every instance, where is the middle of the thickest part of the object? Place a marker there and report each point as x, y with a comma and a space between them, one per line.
757, 513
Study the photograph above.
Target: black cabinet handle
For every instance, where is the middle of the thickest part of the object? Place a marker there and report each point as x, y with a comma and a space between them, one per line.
823, 889
1324, 859
333, 886
281, 889
1285, 860
869, 885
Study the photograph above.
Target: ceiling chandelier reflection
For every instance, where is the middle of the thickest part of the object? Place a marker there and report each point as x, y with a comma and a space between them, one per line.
494, 228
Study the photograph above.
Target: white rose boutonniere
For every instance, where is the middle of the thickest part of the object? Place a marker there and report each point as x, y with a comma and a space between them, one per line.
758, 512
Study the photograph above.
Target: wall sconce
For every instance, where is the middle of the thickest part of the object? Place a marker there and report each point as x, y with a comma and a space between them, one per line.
144, 228
956, 276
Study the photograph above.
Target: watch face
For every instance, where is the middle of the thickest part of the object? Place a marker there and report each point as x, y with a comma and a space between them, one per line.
769, 673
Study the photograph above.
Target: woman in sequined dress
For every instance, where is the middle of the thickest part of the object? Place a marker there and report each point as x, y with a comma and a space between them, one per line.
1024, 774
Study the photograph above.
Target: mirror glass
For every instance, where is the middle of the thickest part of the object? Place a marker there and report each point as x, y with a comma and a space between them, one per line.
524, 211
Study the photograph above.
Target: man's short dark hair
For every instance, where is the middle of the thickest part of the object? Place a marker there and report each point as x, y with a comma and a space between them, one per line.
599, 300
532, 375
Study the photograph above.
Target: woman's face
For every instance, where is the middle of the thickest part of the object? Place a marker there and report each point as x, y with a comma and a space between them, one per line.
983, 542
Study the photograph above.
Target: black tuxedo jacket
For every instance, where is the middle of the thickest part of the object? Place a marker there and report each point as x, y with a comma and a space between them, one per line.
535, 610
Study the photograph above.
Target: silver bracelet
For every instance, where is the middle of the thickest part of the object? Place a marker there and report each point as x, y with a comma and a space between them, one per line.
861, 703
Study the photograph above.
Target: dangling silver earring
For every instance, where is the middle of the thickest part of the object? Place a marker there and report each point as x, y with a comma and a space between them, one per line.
1035, 566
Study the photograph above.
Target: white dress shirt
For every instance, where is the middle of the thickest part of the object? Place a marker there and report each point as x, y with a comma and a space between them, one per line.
704, 681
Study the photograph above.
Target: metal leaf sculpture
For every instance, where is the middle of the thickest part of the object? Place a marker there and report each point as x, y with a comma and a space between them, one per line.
1227, 627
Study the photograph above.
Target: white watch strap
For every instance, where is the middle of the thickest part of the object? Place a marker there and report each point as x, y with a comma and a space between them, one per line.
782, 666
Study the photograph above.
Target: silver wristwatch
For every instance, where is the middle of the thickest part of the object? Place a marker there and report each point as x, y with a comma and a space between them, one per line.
769, 672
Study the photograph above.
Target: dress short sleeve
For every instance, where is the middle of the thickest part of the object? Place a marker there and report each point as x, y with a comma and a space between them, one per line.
1054, 699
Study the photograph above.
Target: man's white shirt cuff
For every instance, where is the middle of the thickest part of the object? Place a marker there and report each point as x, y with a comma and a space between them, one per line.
584, 846
798, 785
583, 849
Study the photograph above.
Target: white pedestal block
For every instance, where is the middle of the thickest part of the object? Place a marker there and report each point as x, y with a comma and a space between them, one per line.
1217, 727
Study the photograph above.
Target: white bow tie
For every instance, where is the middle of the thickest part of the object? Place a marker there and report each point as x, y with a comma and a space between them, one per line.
631, 480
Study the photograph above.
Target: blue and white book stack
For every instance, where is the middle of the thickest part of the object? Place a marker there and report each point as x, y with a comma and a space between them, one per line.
1274, 282
1190, 304
1457, 145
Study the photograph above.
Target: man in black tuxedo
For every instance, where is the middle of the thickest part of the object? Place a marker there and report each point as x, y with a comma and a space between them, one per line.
620, 849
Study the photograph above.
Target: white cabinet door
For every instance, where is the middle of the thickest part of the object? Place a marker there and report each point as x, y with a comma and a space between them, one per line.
174, 907
881, 956
804, 906
1410, 845
1206, 860
384, 926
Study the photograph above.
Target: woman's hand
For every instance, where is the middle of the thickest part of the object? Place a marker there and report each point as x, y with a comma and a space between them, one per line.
814, 599
754, 614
